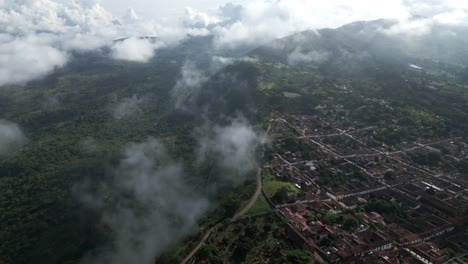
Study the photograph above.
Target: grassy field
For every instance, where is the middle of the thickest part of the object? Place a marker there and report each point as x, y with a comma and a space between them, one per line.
260, 207
271, 185
245, 194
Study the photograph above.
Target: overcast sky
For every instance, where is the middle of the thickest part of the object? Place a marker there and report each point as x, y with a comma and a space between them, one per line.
162, 8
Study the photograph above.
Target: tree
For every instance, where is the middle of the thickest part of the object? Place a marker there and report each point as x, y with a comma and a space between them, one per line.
325, 242
319, 217
330, 218
389, 174
205, 251
433, 158
280, 195
242, 249
350, 223
298, 257
267, 228
381, 206
463, 166
230, 205
449, 252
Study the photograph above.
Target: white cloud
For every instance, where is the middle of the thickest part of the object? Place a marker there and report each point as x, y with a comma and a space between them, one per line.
430, 8
38, 34
232, 147
188, 86
299, 56
53, 16
417, 27
219, 62
85, 42
196, 18
451, 18
192, 78
423, 26
81, 25
128, 107
27, 58
147, 205
131, 16
86, 24
425, 14
50, 29
11, 137
134, 49
262, 21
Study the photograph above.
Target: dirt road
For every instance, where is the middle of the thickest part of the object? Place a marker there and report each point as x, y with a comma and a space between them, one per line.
254, 197
238, 215
199, 245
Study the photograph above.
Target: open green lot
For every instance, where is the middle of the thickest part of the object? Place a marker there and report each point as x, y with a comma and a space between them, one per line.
260, 207
271, 185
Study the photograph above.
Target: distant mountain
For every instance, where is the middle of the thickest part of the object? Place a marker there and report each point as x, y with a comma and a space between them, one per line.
361, 49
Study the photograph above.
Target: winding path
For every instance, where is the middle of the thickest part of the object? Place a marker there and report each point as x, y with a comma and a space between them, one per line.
254, 197
239, 214
257, 193
199, 245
